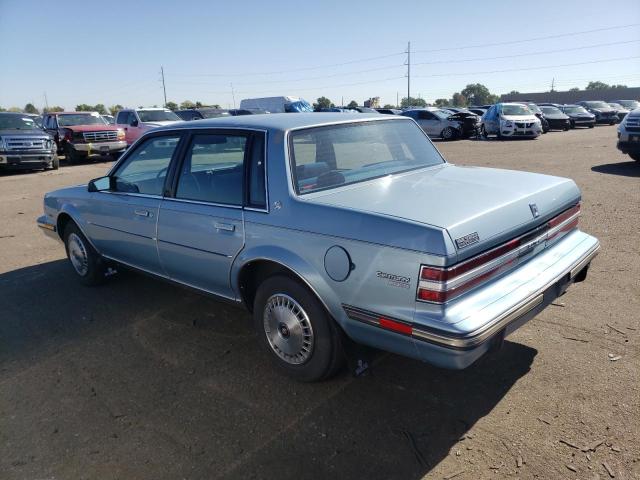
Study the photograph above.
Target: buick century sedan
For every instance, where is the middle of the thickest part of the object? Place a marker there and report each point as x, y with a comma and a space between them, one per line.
332, 229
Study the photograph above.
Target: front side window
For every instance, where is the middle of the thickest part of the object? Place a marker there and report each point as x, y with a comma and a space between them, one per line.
145, 169
337, 155
213, 169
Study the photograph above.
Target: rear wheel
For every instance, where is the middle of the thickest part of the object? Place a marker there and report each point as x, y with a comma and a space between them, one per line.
85, 261
301, 338
635, 156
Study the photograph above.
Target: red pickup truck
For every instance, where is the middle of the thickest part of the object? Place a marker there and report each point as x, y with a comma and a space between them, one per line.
81, 134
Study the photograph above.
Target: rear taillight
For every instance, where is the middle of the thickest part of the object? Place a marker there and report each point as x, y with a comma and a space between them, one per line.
439, 285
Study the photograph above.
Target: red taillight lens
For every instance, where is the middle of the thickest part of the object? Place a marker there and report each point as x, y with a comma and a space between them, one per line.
395, 326
438, 285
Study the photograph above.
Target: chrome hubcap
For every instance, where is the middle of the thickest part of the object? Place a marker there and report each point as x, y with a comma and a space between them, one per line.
78, 254
288, 329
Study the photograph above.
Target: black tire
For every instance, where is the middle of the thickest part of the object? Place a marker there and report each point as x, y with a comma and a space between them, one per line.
309, 326
572, 124
76, 244
635, 156
55, 163
592, 125
483, 132
449, 133
71, 155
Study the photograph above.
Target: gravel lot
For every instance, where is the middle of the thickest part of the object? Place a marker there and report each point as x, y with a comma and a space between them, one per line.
142, 379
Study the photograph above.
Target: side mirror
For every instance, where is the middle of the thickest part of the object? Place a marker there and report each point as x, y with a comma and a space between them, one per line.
101, 184
134, 123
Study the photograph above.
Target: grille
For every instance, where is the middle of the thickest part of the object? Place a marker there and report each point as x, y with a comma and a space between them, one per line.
26, 143
106, 136
524, 124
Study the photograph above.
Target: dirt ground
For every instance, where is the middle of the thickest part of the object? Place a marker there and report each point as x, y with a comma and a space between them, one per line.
139, 379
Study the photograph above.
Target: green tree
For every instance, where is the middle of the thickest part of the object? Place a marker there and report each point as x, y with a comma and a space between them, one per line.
459, 100
54, 108
100, 108
597, 86
413, 102
514, 92
114, 109
83, 107
352, 104
322, 102
187, 104
199, 105
2, 109
619, 86
15, 109
574, 89
30, 108
442, 102
388, 105
478, 94
173, 106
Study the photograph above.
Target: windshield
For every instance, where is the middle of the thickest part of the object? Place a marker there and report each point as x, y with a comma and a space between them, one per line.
157, 116
630, 104
551, 110
597, 105
443, 114
515, 110
17, 122
575, 109
337, 155
70, 119
617, 106
534, 108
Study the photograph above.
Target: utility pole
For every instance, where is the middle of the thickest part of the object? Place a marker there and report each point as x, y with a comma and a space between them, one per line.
553, 82
408, 52
164, 88
397, 102
46, 102
233, 95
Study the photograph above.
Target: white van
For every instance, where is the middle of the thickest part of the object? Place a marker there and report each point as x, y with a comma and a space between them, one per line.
276, 104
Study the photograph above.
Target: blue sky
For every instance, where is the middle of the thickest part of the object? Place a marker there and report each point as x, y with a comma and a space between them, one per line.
111, 52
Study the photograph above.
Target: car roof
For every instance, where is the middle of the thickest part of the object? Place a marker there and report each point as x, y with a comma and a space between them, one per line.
69, 113
284, 121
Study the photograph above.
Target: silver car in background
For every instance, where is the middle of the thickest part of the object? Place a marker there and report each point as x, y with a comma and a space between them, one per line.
436, 122
510, 120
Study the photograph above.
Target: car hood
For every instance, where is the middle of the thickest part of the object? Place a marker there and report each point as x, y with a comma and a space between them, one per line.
493, 203
160, 124
520, 118
20, 132
91, 128
555, 116
601, 110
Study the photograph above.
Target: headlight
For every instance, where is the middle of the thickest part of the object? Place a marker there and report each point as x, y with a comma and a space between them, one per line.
2, 147
508, 123
48, 144
120, 134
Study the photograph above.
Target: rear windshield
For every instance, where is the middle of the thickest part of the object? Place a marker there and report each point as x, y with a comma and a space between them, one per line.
70, 119
157, 116
17, 122
597, 105
337, 155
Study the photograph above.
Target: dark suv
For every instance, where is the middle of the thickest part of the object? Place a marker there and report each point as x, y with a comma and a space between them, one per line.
24, 145
602, 110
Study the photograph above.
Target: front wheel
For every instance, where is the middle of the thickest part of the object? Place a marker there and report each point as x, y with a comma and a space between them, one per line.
635, 156
85, 261
448, 133
301, 338
592, 125
55, 163
71, 155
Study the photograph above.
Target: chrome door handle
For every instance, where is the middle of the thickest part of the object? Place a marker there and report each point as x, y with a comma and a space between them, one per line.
227, 227
142, 213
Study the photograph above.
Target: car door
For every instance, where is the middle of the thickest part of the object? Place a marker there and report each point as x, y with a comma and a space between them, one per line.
491, 121
122, 220
429, 123
201, 227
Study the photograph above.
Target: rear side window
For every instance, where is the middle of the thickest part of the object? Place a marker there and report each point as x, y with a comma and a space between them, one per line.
213, 169
257, 192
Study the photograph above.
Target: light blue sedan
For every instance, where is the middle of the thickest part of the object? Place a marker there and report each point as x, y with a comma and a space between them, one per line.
330, 227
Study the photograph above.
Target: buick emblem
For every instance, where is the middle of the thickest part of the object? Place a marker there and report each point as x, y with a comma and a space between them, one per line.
534, 210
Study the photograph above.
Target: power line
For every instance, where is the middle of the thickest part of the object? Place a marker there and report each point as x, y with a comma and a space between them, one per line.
533, 39
546, 52
528, 68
